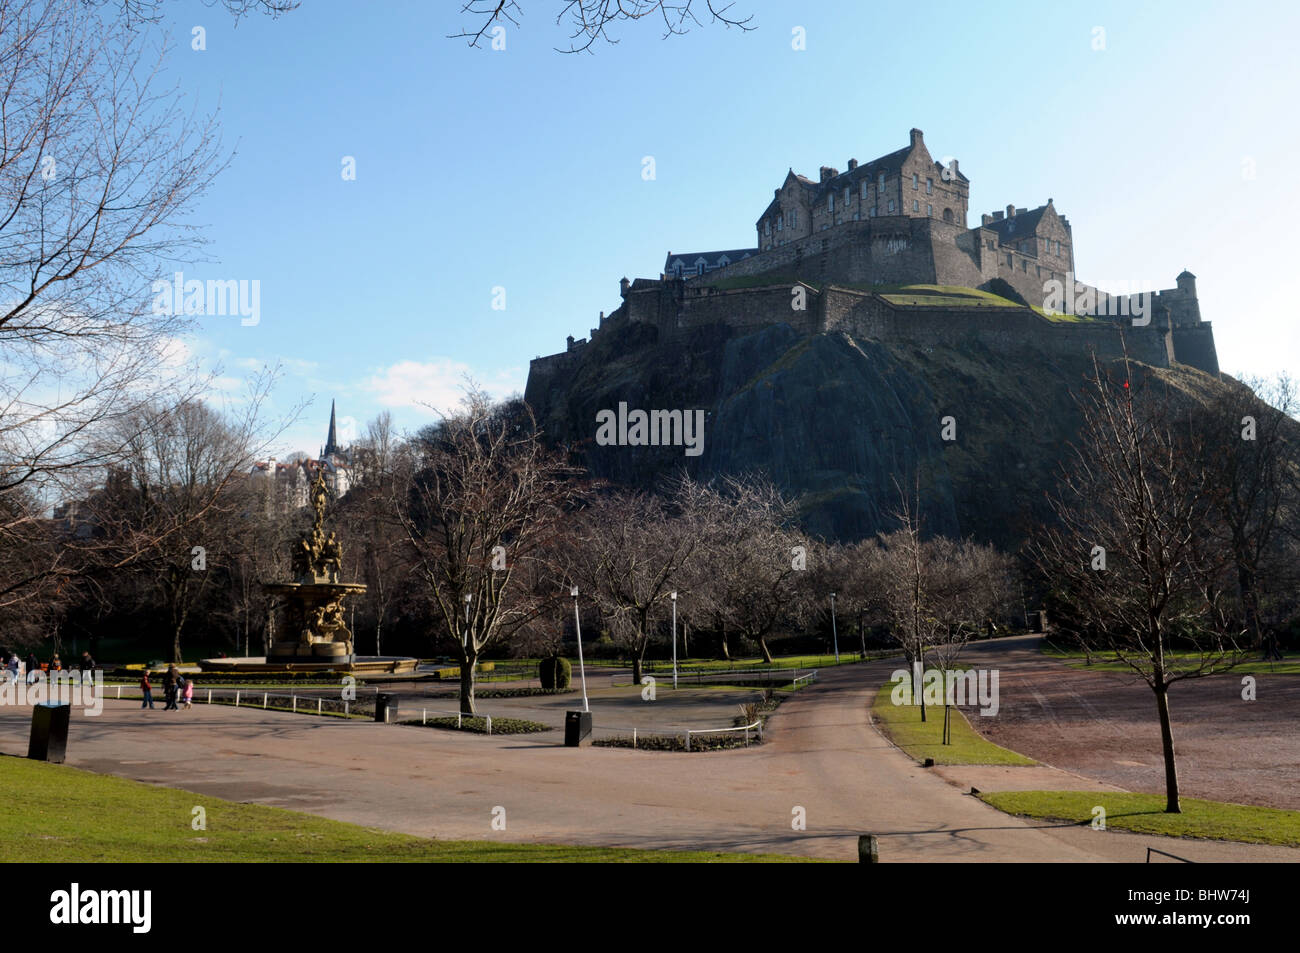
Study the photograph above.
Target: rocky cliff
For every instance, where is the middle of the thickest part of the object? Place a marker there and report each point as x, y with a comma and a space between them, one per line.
845, 423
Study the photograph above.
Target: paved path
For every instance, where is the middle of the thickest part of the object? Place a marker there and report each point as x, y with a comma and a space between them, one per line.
823, 756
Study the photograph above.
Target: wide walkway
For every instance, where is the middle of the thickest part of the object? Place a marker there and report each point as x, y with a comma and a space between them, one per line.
823, 757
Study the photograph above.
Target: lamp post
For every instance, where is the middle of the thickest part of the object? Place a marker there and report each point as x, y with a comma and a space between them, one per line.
674, 598
582, 668
835, 632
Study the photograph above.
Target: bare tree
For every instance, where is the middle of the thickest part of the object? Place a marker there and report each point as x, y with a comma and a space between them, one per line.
177, 513
480, 499
629, 551
754, 564
1130, 556
1252, 443
97, 169
590, 20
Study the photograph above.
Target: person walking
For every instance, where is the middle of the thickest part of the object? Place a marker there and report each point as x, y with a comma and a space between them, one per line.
189, 693
33, 668
147, 690
12, 666
169, 689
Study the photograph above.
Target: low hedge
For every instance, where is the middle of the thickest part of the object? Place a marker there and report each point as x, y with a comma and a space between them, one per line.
478, 725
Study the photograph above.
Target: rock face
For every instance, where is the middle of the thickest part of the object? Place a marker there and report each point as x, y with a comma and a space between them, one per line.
849, 425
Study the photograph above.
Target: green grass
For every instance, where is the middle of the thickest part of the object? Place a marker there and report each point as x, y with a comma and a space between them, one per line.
1145, 814
902, 725
847, 657
1105, 662
54, 813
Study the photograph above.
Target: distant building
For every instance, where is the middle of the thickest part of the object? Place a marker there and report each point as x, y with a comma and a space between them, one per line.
287, 484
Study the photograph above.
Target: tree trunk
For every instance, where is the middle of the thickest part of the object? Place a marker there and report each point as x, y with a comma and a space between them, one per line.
467, 665
1172, 805
726, 652
636, 670
767, 653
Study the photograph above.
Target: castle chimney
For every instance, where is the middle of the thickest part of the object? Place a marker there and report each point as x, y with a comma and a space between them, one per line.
853, 164
1011, 211
1049, 201
953, 166
624, 284
602, 317
828, 173
997, 216
986, 219
569, 340
915, 135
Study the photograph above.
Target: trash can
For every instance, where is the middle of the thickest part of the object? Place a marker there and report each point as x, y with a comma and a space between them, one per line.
49, 738
577, 728
385, 707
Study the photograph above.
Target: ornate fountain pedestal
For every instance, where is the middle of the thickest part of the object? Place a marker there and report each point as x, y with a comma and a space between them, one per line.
314, 612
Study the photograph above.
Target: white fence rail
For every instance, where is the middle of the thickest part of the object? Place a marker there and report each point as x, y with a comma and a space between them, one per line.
756, 726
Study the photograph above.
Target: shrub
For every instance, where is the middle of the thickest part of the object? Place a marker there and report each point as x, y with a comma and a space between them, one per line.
555, 673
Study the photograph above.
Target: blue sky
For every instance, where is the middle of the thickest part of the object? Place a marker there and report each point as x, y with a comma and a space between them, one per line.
520, 168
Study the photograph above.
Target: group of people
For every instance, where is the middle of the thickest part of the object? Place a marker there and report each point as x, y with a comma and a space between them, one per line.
13, 669
176, 687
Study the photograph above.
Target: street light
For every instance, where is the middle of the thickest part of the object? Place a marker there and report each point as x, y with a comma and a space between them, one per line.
834, 632
674, 598
582, 668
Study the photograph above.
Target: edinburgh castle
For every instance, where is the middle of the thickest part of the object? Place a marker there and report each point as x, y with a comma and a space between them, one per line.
883, 251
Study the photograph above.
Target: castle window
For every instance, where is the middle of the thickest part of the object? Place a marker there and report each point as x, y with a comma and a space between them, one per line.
864, 189
916, 205
1024, 266
891, 206
929, 185
1009, 264
882, 182
929, 211
855, 216
794, 218
916, 181
779, 223
1040, 270
830, 202
846, 195
871, 212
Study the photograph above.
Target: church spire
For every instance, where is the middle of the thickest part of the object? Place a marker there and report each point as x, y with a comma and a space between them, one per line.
331, 442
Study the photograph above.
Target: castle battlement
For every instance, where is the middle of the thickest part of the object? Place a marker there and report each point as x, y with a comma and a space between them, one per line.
897, 221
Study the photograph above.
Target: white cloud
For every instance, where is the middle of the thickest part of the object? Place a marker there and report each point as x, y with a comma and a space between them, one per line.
439, 383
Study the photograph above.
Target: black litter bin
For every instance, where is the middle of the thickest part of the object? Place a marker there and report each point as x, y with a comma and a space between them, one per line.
385, 707
577, 728
49, 739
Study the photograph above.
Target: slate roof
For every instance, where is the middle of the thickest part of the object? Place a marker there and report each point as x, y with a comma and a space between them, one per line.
712, 259
1017, 226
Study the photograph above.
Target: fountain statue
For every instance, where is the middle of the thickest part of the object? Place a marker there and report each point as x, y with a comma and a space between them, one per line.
313, 602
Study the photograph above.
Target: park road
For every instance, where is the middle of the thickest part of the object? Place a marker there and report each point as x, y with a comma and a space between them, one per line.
822, 756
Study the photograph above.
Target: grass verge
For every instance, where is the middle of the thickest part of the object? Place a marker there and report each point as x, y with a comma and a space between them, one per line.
55, 813
1145, 814
902, 725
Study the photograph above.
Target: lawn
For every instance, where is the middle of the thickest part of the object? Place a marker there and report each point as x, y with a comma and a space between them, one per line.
1145, 814
1103, 662
902, 725
55, 813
